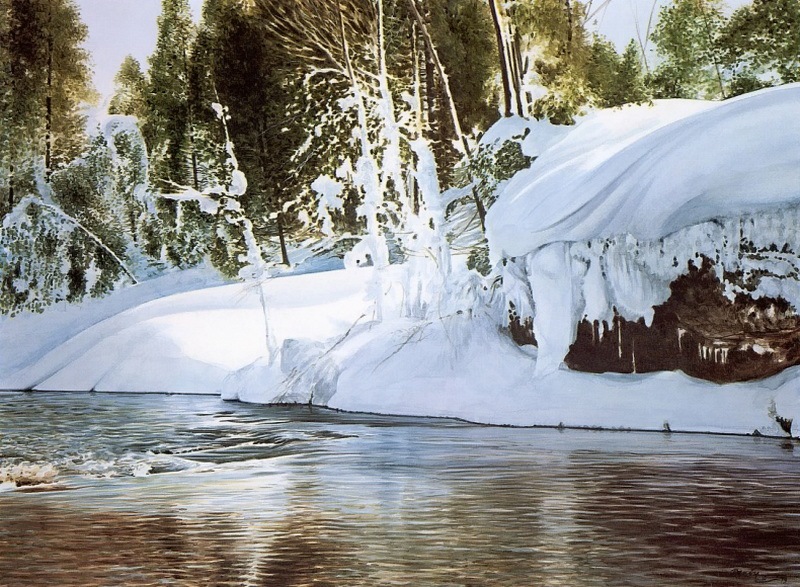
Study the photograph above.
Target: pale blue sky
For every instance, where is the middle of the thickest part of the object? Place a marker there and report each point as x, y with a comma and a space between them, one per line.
121, 27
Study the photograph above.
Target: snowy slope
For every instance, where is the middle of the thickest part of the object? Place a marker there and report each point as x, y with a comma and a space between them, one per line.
651, 170
187, 342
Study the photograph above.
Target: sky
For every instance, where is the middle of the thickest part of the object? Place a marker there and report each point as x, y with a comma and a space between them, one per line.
128, 27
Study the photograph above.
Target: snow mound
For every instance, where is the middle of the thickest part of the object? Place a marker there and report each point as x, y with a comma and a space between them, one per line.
651, 170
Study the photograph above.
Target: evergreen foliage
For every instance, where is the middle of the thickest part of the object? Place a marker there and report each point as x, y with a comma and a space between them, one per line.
761, 43
687, 38
130, 91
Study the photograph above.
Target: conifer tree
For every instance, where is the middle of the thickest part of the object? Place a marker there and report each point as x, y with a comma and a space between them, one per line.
46, 78
254, 80
170, 134
130, 91
168, 125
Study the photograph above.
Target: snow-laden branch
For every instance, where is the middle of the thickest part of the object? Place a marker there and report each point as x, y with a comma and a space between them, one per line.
35, 200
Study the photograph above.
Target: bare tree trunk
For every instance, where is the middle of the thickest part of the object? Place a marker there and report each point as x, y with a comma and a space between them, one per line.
262, 159
516, 71
711, 43
417, 109
501, 52
379, 254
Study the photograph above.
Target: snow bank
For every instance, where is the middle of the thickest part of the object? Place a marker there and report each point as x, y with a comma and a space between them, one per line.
187, 342
467, 369
642, 171
651, 170
332, 353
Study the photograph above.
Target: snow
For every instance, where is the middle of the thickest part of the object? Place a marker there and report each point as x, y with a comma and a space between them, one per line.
605, 218
535, 136
651, 170
608, 216
183, 343
211, 340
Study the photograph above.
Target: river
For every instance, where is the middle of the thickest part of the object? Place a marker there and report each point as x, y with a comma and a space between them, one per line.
125, 489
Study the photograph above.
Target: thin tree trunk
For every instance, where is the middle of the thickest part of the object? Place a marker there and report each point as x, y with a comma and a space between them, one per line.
568, 6
711, 43
516, 72
282, 239
451, 104
417, 110
501, 52
379, 259
48, 154
11, 187
262, 159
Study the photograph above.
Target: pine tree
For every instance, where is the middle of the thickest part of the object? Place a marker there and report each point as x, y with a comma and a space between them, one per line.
629, 84
130, 91
169, 131
46, 77
253, 80
168, 125
604, 63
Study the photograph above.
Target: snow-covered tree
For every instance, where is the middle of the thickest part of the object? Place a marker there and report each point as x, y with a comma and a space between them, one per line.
344, 49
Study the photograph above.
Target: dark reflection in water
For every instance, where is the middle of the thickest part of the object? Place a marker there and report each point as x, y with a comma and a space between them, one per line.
171, 490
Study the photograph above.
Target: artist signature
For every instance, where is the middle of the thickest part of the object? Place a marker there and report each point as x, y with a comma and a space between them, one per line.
762, 577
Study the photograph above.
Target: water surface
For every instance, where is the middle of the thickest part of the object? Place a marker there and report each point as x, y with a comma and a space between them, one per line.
190, 490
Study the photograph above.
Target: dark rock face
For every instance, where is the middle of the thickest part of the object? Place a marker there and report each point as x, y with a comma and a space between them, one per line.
697, 330
521, 331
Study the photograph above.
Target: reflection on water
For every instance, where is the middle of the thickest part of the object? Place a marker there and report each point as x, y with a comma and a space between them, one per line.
172, 490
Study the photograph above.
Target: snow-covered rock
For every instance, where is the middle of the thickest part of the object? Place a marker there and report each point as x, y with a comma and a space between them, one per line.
651, 170
610, 215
